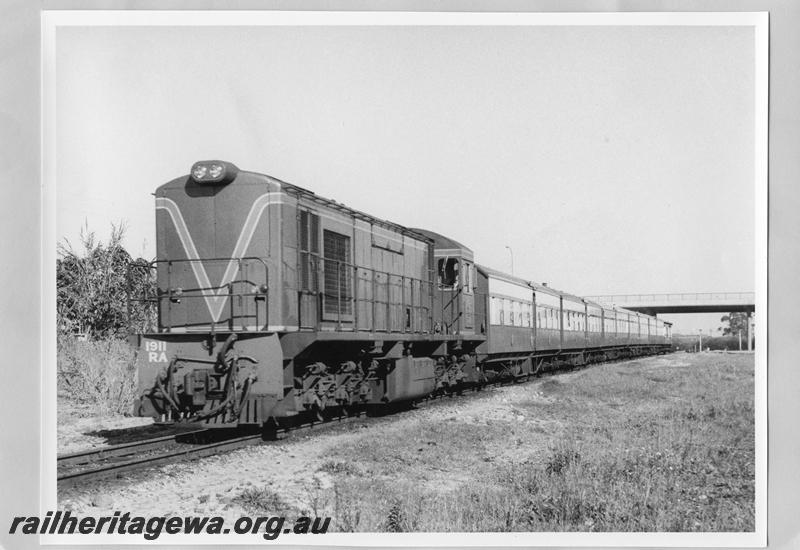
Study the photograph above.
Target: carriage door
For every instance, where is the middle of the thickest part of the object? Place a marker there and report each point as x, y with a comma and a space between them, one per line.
308, 296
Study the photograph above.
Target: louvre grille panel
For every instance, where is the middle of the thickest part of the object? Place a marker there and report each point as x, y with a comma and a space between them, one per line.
337, 275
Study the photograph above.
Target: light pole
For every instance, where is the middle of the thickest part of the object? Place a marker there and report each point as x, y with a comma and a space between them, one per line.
512, 258
700, 336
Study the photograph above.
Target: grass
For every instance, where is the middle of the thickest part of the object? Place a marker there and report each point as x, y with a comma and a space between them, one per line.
656, 445
261, 501
97, 375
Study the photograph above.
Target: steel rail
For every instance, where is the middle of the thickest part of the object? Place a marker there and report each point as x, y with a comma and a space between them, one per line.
87, 456
187, 451
112, 470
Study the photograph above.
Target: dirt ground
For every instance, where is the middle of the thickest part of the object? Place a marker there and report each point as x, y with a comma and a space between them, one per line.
296, 475
79, 429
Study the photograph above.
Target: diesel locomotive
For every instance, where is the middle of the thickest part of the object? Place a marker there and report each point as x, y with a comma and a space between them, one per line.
274, 304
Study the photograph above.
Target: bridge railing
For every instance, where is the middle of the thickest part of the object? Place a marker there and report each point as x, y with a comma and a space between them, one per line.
675, 298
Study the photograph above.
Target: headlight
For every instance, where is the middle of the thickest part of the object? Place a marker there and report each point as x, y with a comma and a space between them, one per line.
213, 172
199, 171
216, 170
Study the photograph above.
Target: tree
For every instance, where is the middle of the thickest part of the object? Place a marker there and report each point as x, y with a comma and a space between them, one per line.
737, 321
92, 286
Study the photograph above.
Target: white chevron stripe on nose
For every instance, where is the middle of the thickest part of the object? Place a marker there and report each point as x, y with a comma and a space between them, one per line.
215, 299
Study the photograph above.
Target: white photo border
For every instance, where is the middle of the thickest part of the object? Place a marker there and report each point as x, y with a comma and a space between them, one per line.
53, 19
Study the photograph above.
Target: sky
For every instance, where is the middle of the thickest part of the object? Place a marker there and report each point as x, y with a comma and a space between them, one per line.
611, 160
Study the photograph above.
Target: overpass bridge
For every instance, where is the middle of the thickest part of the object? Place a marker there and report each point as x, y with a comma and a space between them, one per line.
696, 302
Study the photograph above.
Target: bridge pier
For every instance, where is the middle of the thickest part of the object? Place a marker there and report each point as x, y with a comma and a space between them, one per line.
749, 340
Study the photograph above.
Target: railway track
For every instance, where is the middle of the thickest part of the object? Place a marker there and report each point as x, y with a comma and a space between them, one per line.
109, 462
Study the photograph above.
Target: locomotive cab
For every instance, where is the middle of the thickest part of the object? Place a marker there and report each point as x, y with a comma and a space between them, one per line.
454, 295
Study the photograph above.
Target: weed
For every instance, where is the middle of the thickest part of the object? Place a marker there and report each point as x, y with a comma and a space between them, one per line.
317, 496
339, 467
561, 459
261, 500
346, 510
394, 518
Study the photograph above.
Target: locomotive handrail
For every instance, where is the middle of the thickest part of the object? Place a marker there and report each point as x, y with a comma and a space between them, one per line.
350, 270
454, 292
174, 295
412, 295
392, 280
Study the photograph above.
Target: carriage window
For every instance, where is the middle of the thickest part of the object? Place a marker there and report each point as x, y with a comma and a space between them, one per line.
337, 273
448, 272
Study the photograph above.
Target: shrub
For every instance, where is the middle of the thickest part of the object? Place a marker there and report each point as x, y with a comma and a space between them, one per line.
92, 288
100, 373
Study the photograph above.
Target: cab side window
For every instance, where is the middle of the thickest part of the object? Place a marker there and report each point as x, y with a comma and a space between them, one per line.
448, 272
